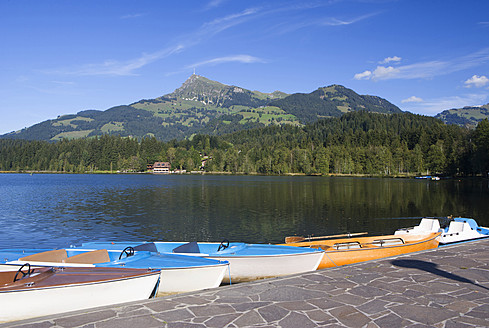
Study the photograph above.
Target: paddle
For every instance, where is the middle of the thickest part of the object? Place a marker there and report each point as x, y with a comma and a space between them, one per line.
295, 239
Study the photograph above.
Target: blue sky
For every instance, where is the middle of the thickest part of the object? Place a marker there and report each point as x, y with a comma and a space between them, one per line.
61, 57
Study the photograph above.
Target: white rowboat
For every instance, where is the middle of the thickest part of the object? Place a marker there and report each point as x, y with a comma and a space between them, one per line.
46, 291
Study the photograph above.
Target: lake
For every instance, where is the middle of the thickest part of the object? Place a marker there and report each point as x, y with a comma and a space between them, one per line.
58, 210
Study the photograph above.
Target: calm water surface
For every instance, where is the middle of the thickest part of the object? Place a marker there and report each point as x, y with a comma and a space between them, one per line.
56, 210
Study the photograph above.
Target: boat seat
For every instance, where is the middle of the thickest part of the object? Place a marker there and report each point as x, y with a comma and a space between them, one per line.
431, 225
348, 245
57, 255
455, 227
149, 247
93, 257
388, 242
471, 222
191, 247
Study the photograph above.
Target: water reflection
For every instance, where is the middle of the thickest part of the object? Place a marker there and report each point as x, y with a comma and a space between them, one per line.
59, 210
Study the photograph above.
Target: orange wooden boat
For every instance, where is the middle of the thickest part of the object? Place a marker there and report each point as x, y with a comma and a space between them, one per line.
353, 250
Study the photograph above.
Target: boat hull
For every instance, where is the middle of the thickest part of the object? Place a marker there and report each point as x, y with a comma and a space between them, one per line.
250, 268
175, 281
44, 299
368, 250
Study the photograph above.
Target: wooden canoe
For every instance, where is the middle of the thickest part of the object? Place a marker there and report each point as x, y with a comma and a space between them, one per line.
338, 252
32, 292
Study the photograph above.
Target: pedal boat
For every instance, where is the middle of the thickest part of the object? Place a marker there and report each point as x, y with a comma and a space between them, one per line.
458, 230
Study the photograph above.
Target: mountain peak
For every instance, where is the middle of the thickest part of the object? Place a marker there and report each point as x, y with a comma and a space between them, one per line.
197, 85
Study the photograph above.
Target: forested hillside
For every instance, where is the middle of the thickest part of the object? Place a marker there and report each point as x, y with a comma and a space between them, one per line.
467, 116
332, 101
203, 106
356, 143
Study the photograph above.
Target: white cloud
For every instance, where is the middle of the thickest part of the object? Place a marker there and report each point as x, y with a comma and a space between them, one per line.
223, 23
477, 81
412, 99
332, 21
130, 16
363, 76
214, 3
438, 105
129, 67
391, 59
383, 73
118, 68
380, 73
220, 60
430, 69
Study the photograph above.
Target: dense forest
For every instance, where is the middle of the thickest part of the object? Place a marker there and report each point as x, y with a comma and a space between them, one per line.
356, 143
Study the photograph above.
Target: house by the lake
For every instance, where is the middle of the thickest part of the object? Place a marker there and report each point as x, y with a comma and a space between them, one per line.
161, 167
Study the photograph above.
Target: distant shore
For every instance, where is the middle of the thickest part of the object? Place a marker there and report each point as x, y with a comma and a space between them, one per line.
402, 176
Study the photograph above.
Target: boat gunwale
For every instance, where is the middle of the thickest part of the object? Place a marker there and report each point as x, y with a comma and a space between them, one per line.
230, 255
119, 263
10, 289
117, 266
179, 268
408, 244
314, 252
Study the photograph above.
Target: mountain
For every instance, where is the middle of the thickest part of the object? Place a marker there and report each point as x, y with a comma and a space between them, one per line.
204, 106
467, 116
332, 101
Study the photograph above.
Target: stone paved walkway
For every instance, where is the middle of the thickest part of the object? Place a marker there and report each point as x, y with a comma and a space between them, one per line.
446, 287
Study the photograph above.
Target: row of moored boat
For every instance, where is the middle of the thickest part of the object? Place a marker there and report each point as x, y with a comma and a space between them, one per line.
106, 273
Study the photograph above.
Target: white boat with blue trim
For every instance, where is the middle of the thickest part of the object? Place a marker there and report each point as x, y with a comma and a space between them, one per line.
247, 262
178, 273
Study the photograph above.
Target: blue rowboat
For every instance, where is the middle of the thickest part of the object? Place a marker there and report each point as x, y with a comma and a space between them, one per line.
178, 273
247, 262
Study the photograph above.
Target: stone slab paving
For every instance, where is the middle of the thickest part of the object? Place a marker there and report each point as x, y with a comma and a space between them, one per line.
446, 287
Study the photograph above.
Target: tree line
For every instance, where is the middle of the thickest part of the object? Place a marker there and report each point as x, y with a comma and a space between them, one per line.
356, 143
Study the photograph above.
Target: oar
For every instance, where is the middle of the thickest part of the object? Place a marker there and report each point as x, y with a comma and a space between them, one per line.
295, 239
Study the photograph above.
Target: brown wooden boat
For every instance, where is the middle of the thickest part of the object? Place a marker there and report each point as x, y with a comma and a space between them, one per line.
31, 292
344, 251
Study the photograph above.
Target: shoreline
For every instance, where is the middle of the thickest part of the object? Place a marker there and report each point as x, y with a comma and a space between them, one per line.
330, 175
442, 287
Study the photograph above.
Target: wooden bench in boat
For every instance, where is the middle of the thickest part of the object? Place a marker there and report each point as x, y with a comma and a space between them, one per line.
93, 257
57, 255
60, 256
347, 245
357, 245
387, 242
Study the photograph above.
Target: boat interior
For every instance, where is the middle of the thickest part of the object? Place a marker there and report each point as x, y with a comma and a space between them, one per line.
357, 245
61, 256
9, 279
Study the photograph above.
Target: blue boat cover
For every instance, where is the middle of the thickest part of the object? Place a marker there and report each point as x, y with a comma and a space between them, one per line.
191, 247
